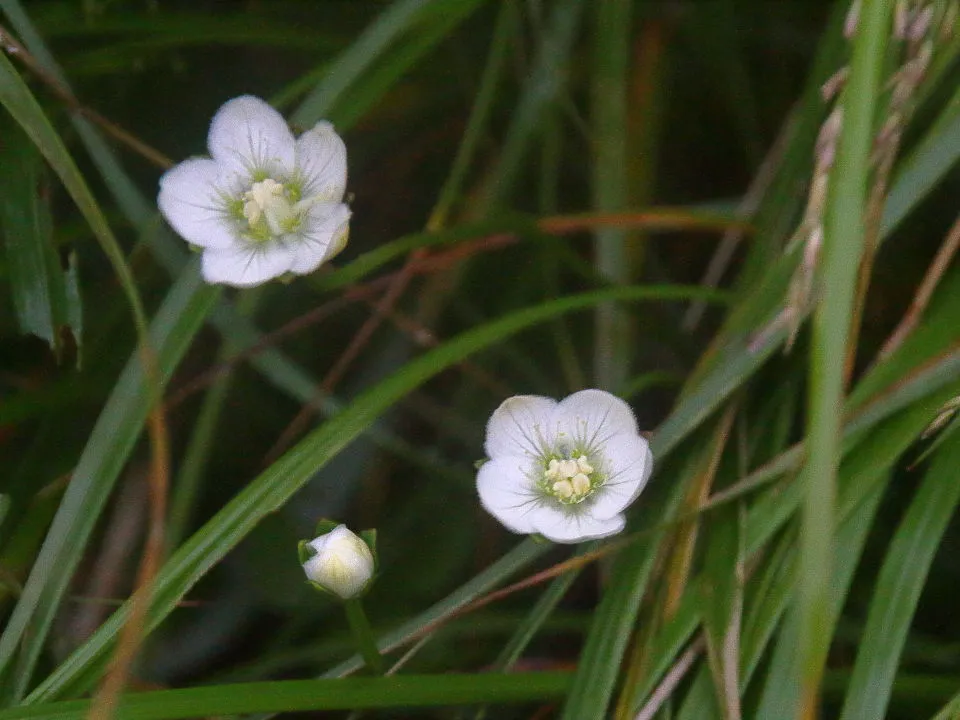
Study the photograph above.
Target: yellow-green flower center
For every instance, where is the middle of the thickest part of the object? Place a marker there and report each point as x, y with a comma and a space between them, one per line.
569, 479
272, 209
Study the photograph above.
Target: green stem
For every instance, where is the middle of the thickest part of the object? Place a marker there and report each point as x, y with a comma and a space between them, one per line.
609, 118
843, 243
363, 634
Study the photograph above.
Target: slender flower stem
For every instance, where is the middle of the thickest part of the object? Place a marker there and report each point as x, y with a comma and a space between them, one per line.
363, 634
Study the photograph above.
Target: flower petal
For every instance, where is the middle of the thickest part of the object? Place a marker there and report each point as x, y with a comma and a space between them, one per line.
571, 527
324, 237
627, 465
244, 265
507, 493
594, 416
521, 426
247, 134
191, 203
322, 162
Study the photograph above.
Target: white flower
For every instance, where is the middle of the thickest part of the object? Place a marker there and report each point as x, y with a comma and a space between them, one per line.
264, 204
342, 564
564, 470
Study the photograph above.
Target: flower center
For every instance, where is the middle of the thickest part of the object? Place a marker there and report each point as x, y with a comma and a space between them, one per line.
570, 479
272, 209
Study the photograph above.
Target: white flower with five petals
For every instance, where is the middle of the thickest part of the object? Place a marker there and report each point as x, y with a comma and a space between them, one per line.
265, 203
564, 470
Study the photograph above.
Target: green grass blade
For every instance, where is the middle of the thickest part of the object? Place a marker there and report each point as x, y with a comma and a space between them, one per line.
843, 242
367, 92
611, 74
397, 19
782, 690
16, 97
862, 474
950, 711
42, 289
113, 437
610, 631
925, 166
479, 115
540, 89
899, 585
304, 695
721, 591
124, 191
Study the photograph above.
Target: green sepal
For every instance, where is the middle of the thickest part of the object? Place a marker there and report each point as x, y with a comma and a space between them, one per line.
480, 463
326, 526
369, 538
329, 593
304, 551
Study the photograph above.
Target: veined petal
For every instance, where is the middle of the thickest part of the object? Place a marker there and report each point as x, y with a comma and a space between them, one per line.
521, 426
245, 266
628, 463
322, 162
191, 203
247, 134
507, 492
563, 527
594, 416
320, 239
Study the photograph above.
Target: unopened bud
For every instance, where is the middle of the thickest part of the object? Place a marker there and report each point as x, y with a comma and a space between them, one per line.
338, 562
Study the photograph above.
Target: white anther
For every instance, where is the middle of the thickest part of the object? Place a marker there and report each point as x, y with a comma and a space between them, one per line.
553, 469
580, 483
563, 489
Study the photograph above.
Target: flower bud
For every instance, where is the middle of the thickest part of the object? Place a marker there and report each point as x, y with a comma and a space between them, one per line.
338, 562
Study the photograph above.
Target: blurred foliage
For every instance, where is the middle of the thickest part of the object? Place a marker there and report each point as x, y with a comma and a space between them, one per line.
482, 137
